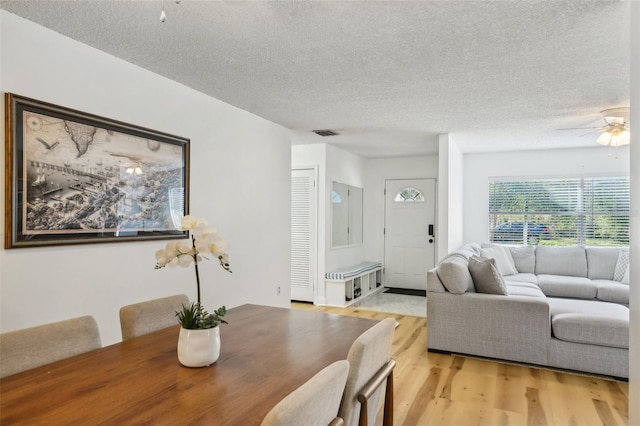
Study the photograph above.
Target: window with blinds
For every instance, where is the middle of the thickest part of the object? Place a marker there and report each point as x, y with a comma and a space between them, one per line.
588, 211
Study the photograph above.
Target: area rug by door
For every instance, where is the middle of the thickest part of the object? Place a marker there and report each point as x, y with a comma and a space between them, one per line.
407, 291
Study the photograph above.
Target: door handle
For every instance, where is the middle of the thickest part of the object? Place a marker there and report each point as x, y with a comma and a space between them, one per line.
431, 230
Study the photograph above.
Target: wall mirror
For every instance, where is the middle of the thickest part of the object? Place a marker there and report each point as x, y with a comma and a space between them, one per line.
346, 201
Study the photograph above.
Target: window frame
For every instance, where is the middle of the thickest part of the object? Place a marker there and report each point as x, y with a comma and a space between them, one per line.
418, 196
569, 201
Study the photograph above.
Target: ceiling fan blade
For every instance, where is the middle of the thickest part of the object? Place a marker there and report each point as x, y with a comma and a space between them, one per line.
583, 128
591, 132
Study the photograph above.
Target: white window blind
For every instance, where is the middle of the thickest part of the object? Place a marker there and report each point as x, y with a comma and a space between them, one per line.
589, 211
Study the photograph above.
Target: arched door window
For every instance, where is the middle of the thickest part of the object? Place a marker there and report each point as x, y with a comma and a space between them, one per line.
409, 195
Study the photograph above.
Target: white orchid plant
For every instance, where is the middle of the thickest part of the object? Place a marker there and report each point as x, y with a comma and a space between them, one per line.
204, 243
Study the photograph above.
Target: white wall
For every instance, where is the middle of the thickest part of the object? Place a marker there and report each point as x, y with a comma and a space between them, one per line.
344, 167
442, 215
455, 206
478, 168
634, 297
240, 181
376, 172
450, 197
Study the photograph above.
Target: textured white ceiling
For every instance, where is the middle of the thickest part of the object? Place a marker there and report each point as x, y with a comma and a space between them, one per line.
389, 76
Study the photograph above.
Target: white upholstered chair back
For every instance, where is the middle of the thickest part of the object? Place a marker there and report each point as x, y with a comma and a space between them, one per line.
368, 356
145, 317
32, 347
315, 403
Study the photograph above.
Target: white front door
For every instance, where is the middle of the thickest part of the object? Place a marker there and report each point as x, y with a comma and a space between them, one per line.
303, 234
409, 241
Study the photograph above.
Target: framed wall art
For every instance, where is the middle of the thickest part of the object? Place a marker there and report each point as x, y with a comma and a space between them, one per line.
74, 177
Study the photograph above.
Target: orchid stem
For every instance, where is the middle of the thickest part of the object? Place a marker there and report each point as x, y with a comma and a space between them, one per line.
195, 262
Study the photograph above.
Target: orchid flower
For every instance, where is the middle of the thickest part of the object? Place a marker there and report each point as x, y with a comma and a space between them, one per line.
204, 240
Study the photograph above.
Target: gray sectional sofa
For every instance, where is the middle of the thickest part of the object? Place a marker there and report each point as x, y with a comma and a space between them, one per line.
563, 307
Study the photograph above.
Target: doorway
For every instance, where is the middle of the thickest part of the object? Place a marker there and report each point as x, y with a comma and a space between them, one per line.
304, 198
409, 232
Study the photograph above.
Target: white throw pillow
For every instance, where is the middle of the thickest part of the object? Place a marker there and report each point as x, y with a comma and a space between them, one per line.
625, 278
622, 266
486, 276
504, 260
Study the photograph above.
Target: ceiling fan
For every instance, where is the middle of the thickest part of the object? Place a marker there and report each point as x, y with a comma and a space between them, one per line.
615, 131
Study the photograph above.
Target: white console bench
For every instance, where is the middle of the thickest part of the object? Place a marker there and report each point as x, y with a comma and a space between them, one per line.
347, 285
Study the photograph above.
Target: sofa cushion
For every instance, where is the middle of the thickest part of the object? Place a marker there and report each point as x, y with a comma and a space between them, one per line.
563, 306
524, 290
612, 291
559, 305
524, 257
454, 275
622, 265
523, 278
503, 258
563, 286
590, 322
565, 260
601, 262
522, 284
486, 276
591, 330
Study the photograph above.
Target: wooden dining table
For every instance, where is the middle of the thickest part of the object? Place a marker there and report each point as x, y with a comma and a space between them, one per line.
266, 353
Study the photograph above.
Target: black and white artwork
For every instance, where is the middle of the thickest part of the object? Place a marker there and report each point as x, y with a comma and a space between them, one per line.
81, 178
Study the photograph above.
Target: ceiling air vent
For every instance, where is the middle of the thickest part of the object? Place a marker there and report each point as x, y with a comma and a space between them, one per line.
325, 133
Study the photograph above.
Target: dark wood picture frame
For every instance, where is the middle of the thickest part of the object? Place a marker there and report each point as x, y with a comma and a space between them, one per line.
73, 177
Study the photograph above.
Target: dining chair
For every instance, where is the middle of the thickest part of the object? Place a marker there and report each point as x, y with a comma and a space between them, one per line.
315, 403
32, 347
370, 366
144, 317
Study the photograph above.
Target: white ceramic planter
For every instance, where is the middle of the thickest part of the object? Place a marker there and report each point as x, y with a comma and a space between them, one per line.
198, 348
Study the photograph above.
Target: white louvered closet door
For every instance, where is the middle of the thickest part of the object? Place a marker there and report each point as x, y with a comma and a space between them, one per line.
303, 234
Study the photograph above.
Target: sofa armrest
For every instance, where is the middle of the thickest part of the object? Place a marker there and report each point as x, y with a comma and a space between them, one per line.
433, 282
516, 328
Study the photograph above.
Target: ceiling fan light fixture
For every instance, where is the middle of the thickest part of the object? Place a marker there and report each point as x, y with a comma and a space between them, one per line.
615, 137
604, 138
626, 137
134, 170
620, 138
611, 120
618, 115
617, 132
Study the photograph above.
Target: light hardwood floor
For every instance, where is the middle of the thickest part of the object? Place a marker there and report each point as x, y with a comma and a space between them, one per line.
437, 389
